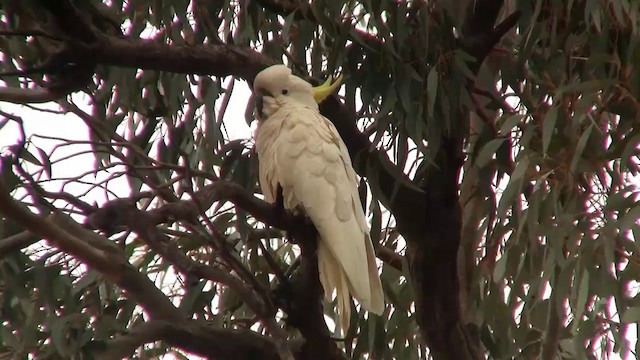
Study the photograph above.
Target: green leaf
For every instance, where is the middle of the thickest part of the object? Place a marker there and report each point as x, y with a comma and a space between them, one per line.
59, 335
25, 155
583, 294
432, 90
580, 148
9, 339
373, 324
45, 160
399, 176
500, 268
510, 123
191, 297
508, 196
631, 315
488, 151
549, 127
584, 87
8, 177
630, 219
622, 199
541, 180
521, 169
376, 222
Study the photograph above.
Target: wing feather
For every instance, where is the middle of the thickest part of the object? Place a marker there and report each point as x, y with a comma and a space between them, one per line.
301, 150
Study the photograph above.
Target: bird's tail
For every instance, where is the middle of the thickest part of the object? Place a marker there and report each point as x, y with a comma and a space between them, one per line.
332, 276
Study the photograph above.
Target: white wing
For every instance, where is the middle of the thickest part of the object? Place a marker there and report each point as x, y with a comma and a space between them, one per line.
301, 150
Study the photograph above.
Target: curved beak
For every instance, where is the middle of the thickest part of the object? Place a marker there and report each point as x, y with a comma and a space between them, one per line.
322, 92
259, 102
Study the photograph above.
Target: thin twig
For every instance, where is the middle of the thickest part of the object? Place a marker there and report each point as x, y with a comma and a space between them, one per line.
34, 33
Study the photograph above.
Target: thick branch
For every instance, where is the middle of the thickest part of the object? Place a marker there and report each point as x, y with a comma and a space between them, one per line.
16, 242
300, 298
224, 60
194, 336
144, 224
217, 60
102, 255
479, 34
29, 96
187, 210
49, 230
113, 264
433, 260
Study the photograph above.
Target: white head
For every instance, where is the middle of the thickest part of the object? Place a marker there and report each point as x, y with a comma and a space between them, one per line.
275, 86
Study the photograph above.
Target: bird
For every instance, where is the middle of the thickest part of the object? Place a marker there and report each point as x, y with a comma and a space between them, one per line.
301, 154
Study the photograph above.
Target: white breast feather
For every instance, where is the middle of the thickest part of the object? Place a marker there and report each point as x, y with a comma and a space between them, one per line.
301, 150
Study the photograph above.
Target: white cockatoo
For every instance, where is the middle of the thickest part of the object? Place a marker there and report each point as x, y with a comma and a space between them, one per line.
301, 151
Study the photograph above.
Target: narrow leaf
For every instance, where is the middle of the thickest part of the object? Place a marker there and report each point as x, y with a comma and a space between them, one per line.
548, 128
488, 151
631, 315
510, 123
580, 148
432, 90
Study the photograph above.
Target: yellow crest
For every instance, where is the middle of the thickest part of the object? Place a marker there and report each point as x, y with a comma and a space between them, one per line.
322, 92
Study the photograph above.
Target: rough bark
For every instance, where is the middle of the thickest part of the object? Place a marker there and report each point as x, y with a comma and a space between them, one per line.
433, 256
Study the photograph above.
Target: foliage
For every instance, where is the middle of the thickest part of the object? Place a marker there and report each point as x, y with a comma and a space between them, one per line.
542, 201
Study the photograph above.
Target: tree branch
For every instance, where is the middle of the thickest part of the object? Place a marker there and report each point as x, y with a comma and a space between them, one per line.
438, 297
102, 255
300, 298
54, 234
479, 34
302, 10
225, 60
144, 225
186, 210
389, 257
29, 96
16, 242
111, 263
194, 336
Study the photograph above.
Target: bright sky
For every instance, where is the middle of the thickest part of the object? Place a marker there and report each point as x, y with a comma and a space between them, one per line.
70, 127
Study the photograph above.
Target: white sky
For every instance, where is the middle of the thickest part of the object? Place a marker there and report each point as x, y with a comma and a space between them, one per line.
70, 127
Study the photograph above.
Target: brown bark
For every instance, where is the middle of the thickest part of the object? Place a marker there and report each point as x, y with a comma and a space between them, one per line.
433, 253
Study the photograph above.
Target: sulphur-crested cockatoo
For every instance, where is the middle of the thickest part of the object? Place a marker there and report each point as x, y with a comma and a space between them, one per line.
301, 151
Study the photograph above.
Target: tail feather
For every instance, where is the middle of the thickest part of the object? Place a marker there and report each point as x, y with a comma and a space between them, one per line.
333, 277
376, 305
326, 269
344, 303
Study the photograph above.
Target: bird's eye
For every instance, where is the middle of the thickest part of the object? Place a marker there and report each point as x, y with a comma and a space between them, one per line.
285, 92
